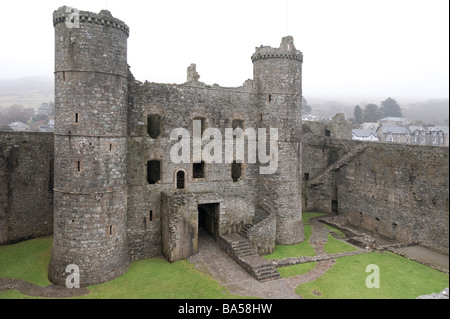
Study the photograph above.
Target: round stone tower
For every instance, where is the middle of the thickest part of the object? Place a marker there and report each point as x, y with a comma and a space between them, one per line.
277, 73
90, 198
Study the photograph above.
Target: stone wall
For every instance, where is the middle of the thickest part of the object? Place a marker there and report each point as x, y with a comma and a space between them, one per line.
26, 186
397, 191
176, 106
262, 234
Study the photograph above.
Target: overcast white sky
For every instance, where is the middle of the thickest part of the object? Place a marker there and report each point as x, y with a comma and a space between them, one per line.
367, 49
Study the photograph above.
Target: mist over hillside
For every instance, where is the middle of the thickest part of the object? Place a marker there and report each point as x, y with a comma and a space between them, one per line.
41, 84
27, 91
431, 111
34, 90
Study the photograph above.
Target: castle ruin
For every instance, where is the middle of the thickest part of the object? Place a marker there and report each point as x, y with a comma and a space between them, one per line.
112, 194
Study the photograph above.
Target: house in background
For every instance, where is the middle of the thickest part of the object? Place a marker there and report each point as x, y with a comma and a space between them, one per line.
19, 126
394, 134
365, 135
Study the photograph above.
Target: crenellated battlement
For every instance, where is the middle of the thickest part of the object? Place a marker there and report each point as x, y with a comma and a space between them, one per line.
277, 56
103, 18
286, 50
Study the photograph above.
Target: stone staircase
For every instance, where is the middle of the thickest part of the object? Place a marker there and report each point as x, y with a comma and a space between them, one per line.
344, 160
240, 249
260, 215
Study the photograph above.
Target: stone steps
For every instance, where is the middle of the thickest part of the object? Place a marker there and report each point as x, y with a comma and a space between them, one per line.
259, 216
240, 249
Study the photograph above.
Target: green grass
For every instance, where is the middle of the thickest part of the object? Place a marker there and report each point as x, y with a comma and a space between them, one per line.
298, 250
27, 260
337, 231
334, 245
302, 249
295, 270
400, 278
152, 278
155, 278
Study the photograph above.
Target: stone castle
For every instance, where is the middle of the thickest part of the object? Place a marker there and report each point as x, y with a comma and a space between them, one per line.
105, 186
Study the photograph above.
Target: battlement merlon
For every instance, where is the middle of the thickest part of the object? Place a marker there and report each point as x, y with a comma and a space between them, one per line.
104, 17
286, 50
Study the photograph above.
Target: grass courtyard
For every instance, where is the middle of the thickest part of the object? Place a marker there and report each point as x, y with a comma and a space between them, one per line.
155, 278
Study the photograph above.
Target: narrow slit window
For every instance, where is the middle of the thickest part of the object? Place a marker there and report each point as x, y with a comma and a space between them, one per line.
110, 147
269, 99
79, 166
76, 118
151, 215
110, 230
64, 75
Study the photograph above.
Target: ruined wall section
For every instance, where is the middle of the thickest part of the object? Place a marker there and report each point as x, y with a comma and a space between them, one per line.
397, 191
400, 192
177, 106
26, 186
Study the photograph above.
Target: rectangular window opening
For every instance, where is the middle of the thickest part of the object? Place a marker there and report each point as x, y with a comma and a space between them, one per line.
153, 172
79, 166
76, 118
198, 170
154, 125
236, 171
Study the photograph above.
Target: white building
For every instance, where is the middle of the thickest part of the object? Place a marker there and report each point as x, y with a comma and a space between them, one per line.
365, 135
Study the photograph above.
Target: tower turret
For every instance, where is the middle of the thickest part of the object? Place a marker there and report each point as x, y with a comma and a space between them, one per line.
90, 198
278, 76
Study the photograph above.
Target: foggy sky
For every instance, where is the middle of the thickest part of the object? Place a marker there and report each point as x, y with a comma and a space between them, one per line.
369, 49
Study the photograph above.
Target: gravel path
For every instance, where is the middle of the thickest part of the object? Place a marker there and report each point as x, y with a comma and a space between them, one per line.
33, 290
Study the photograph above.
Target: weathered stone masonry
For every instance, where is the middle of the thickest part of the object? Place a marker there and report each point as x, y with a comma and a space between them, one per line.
105, 185
26, 186
118, 195
397, 191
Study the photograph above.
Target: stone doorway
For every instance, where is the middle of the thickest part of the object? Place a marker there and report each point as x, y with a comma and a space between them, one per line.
208, 220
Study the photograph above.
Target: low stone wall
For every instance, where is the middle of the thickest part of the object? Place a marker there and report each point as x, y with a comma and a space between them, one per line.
262, 234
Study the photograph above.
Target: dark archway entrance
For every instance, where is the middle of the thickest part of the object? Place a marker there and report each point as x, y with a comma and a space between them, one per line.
208, 220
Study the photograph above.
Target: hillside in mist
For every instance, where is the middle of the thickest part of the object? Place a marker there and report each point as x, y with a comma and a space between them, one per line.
431, 111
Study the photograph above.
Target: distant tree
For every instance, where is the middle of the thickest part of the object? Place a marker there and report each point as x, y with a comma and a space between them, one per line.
358, 114
39, 117
17, 113
390, 107
371, 113
305, 106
